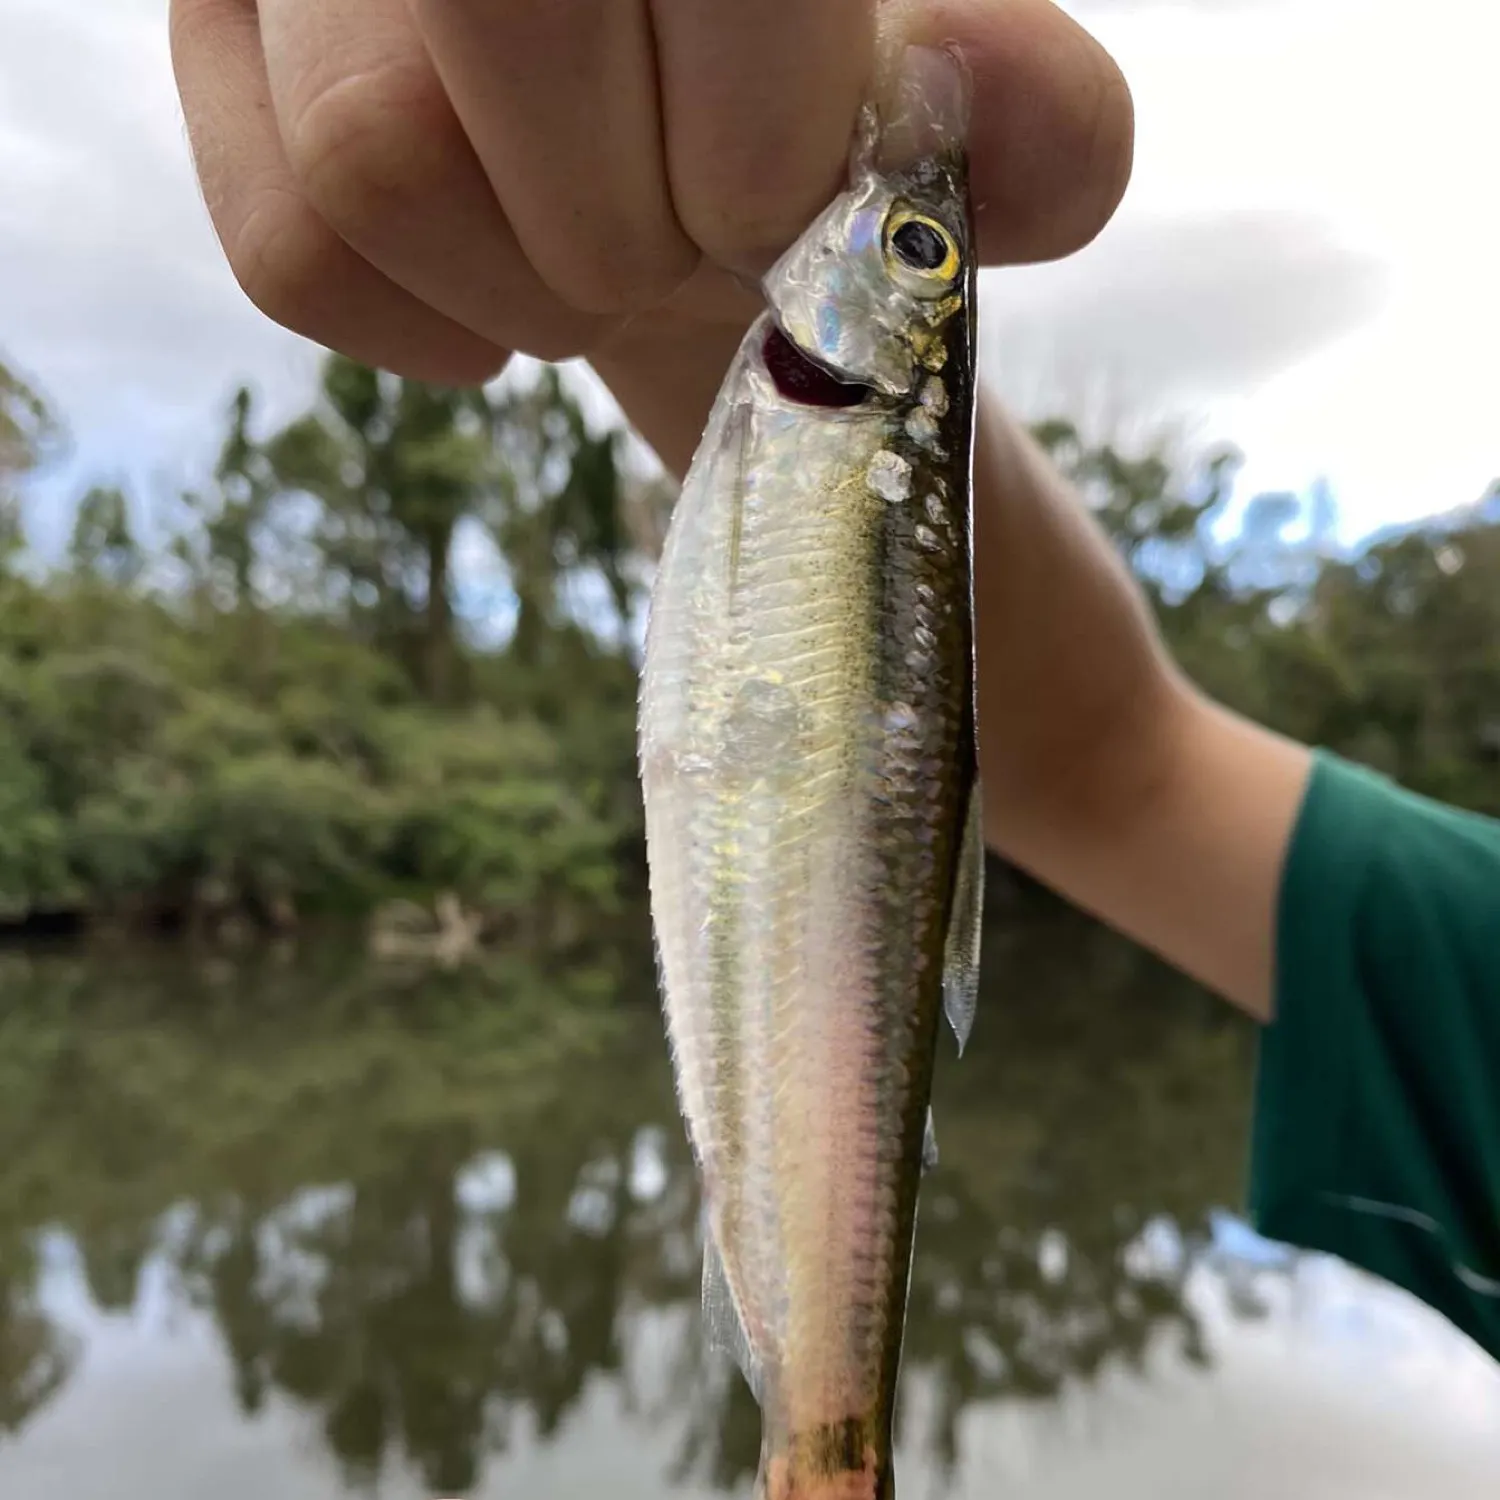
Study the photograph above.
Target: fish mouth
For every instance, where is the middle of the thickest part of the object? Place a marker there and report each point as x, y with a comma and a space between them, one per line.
798, 377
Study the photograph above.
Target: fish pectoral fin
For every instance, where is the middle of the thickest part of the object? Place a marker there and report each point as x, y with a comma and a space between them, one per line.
961, 950
929, 1144
723, 1328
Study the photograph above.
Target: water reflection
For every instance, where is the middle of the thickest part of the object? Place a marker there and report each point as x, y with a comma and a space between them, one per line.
35, 1355
430, 1211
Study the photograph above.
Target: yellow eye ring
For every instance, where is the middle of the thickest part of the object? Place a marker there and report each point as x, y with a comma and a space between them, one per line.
920, 246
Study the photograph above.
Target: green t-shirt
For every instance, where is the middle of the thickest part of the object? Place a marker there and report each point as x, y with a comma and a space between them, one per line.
1377, 1130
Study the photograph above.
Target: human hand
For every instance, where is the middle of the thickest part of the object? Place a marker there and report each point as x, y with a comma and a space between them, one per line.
427, 185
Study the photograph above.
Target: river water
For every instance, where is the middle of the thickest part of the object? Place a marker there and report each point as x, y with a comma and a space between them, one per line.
295, 1225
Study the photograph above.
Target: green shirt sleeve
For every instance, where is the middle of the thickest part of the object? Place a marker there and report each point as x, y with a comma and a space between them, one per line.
1377, 1112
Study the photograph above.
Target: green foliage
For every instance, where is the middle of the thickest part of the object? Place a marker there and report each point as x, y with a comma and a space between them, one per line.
1413, 626
484, 811
287, 717
236, 514
514, 844
131, 838
33, 860
1390, 657
103, 544
274, 828
396, 466
30, 436
140, 778
560, 508
301, 704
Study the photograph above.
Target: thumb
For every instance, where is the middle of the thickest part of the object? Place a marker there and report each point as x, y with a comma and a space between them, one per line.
1052, 127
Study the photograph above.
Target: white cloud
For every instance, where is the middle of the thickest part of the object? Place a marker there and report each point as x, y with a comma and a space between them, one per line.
1305, 261
115, 295
1376, 120
1175, 309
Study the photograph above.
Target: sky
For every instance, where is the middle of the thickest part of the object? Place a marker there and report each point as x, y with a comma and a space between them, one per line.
1305, 264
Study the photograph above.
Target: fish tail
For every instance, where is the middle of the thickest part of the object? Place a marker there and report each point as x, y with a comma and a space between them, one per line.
840, 1461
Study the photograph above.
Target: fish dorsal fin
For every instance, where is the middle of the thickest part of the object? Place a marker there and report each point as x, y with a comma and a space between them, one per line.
723, 1329
961, 951
929, 1144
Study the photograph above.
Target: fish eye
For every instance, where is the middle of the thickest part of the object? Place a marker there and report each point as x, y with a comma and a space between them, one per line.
919, 245
922, 246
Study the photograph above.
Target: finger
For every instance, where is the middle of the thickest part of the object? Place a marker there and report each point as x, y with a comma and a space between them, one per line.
1052, 134
759, 101
376, 148
290, 263
559, 100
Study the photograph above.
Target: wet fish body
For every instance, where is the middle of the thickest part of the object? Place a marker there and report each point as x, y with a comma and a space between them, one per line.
808, 763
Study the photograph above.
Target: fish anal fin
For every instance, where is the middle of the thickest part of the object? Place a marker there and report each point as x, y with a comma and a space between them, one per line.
929, 1144
723, 1328
961, 950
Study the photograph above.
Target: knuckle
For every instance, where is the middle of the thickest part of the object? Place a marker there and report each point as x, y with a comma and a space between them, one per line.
746, 228
747, 201
295, 269
450, 366
554, 339
617, 274
746, 241
284, 258
357, 143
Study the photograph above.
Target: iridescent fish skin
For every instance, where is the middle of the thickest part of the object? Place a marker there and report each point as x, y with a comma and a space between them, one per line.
808, 763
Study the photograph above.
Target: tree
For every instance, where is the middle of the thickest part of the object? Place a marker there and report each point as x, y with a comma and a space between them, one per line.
30, 436
1158, 516
1414, 624
306, 729
103, 545
245, 489
560, 510
397, 465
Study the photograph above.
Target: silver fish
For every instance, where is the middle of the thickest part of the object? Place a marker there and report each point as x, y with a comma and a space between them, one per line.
807, 753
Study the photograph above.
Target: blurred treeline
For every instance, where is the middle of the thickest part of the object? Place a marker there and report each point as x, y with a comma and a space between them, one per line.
296, 698
286, 704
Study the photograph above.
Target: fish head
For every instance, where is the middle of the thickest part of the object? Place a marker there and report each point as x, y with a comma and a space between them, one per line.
881, 284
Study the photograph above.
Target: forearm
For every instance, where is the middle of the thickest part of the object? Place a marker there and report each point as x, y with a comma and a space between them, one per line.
1106, 775
1072, 672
